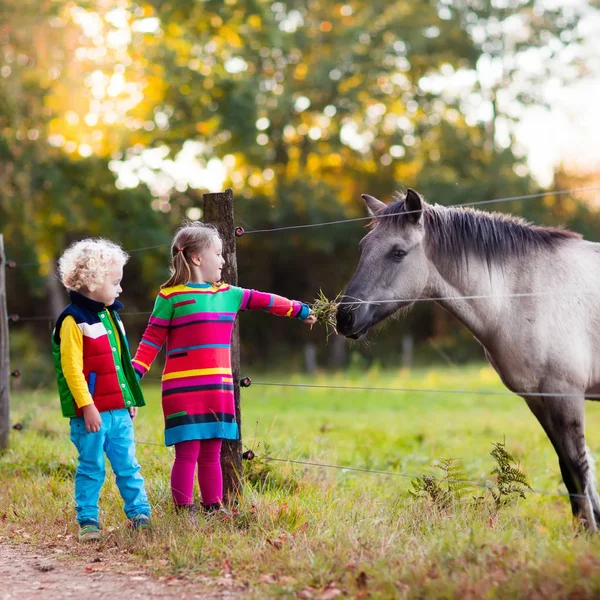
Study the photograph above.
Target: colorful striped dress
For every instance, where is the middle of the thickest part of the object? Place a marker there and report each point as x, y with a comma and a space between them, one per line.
196, 321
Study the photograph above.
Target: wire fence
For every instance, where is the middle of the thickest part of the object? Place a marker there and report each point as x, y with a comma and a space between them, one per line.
16, 318
360, 388
427, 390
351, 469
462, 204
582, 190
358, 302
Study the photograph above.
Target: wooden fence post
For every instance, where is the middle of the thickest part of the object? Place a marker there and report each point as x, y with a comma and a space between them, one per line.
4, 359
218, 210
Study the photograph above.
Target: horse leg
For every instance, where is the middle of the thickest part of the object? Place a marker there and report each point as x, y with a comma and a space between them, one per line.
563, 419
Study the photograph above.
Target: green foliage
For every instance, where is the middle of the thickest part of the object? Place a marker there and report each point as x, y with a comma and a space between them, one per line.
445, 491
453, 487
265, 477
511, 482
326, 312
310, 103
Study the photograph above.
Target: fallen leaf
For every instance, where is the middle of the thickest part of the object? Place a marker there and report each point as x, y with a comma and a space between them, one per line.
267, 578
307, 593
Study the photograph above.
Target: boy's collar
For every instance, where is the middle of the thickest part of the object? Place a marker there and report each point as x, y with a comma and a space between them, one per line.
93, 305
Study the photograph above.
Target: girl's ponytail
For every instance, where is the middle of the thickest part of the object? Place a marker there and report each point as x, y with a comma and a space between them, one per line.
180, 271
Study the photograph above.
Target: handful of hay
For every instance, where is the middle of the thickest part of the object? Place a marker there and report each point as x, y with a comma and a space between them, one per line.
326, 312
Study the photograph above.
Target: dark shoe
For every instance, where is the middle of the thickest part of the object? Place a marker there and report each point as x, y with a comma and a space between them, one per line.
190, 509
218, 509
141, 522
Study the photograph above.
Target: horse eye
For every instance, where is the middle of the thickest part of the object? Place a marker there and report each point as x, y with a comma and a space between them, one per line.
398, 254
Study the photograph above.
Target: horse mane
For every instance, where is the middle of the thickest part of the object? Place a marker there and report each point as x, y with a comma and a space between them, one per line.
457, 232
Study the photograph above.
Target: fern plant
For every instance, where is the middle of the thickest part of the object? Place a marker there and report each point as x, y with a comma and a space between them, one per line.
511, 482
452, 487
444, 492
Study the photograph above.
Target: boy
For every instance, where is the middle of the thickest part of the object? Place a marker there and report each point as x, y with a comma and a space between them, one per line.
97, 386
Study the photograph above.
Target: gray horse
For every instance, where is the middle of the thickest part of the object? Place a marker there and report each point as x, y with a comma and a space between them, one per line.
530, 295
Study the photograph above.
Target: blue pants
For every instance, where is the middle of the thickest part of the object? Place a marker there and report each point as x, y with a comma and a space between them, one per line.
116, 439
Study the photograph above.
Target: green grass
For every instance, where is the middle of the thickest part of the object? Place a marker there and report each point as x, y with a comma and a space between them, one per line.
306, 531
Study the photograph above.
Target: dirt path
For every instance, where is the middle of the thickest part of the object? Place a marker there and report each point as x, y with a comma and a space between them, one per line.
28, 573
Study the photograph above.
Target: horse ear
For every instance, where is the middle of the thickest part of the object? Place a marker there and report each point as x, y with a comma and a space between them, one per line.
413, 203
374, 206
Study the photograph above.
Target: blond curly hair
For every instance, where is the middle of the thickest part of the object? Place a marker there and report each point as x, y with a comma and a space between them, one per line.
87, 264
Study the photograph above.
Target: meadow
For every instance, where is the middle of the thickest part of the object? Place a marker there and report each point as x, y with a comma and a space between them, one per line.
314, 532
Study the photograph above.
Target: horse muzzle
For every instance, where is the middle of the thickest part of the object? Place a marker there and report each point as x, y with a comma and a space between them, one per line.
352, 320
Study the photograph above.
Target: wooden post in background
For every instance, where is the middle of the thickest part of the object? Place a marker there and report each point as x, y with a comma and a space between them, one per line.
4, 360
218, 210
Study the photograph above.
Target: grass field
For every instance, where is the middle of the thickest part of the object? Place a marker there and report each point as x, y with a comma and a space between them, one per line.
312, 532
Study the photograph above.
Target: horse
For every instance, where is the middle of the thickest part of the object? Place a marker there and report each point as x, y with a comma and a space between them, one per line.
530, 295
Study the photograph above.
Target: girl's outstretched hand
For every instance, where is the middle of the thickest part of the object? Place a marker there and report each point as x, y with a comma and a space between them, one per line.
311, 319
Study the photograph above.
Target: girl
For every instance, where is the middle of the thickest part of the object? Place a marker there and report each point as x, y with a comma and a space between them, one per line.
195, 314
97, 386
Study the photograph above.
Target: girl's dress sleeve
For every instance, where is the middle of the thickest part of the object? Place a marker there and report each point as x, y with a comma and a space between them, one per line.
276, 305
155, 335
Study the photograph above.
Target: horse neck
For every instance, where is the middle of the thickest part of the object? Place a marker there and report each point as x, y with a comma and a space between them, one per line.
454, 287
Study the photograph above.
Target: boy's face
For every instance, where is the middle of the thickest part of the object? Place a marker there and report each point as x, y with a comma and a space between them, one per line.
110, 289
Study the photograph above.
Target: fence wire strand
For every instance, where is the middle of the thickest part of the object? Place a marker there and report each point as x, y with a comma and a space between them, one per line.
359, 302
480, 484
428, 390
341, 221
462, 204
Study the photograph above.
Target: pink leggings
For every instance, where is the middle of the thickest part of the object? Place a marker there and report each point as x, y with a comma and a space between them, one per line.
206, 454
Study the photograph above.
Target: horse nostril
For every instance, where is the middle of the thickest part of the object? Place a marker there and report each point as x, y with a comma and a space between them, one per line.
345, 318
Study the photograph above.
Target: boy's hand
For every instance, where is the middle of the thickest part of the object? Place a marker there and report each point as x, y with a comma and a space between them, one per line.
133, 412
311, 319
92, 418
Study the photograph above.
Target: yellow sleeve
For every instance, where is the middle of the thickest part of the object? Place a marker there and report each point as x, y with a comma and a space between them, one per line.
71, 359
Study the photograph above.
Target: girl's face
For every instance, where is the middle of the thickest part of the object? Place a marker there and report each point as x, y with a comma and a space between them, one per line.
108, 292
212, 261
